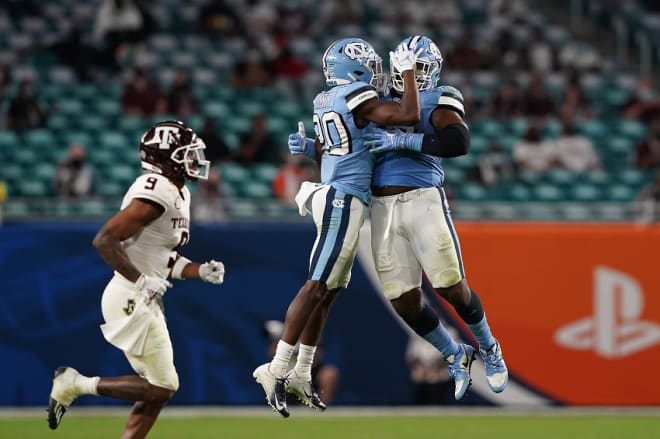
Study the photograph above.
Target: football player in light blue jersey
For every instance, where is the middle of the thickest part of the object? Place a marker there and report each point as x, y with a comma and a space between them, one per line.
353, 72
411, 227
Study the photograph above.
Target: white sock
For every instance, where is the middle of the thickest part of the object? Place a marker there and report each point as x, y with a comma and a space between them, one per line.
281, 359
87, 385
305, 360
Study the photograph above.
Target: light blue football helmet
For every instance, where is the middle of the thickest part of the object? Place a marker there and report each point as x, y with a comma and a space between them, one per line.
350, 60
429, 64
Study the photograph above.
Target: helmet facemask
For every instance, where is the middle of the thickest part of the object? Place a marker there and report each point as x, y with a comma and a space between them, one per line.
193, 159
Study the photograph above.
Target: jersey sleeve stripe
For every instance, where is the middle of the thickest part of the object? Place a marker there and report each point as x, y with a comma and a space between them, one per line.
453, 103
359, 96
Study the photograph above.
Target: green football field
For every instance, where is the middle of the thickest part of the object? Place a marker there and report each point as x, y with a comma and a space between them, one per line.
347, 425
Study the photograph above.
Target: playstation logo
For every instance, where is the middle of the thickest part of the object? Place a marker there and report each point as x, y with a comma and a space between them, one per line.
615, 329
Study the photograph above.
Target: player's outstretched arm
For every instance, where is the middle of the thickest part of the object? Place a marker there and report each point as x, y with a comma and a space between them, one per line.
451, 137
212, 271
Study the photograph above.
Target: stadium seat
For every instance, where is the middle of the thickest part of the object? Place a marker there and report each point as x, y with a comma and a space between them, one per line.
620, 192
548, 192
32, 188
519, 193
264, 172
256, 190
234, 173
585, 192
242, 208
473, 192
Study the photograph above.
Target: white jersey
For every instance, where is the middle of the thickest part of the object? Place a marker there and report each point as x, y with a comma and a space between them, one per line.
152, 249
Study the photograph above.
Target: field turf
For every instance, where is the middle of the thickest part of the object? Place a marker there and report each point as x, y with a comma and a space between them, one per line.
321, 426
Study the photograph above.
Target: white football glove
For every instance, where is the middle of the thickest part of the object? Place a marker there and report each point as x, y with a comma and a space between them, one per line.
212, 271
403, 58
152, 287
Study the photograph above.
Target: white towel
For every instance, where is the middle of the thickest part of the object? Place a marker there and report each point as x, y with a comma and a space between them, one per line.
307, 189
130, 333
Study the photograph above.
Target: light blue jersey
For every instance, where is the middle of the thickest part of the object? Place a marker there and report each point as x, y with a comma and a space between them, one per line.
414, 169
346, 164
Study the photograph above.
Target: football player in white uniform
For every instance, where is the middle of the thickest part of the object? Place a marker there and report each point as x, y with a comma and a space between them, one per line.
140, 243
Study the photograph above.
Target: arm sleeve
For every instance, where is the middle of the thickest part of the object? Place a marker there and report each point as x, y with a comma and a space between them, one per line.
361, 94
451, 141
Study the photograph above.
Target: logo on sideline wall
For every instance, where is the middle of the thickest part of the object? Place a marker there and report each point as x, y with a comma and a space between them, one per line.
615, 329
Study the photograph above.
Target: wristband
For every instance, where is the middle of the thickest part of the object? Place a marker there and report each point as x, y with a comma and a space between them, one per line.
179, 265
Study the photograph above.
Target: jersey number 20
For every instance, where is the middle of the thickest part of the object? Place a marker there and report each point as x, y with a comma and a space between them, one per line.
333, 133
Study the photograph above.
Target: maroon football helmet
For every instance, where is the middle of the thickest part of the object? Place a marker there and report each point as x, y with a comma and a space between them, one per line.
172, 149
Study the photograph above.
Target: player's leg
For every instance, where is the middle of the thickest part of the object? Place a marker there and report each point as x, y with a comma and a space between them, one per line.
152, 389
400, 274
341, 217
443, 265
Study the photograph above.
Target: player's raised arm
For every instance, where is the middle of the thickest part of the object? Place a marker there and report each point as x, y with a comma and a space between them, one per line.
405, 112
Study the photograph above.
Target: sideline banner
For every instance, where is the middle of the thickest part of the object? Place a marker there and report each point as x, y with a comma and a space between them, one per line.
577, 307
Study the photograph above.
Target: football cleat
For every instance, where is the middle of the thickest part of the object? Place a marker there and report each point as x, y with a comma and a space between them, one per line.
62, 394
497, 374
275, 389
304, 390
459, 370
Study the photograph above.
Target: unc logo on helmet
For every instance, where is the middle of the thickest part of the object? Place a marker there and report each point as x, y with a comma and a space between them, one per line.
357, 51
172, 149
350, 60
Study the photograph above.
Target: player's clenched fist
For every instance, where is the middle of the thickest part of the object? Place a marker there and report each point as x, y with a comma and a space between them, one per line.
212, 271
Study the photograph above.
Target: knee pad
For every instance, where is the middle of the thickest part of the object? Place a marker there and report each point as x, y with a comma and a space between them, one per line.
447, 278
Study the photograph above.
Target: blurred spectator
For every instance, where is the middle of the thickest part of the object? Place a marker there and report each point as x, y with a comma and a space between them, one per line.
216, 148
181, 101
3, 197
74, 178
647, 151
429, 373
289, 177
344, 12
466, 55
577, 54
575, 103
121, 22
289, 66
209, 201
536, 101
5, 80
494, 166
643, 103
325, 376
142, 95
217, 19
82, 57
647, 202
17, 9
540, 56
251, 71
258, 145
25, 112
575, 152
532, 153
506, 103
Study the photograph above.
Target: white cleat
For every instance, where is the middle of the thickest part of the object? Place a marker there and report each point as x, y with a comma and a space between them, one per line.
62, 394
304, 390
274, 388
